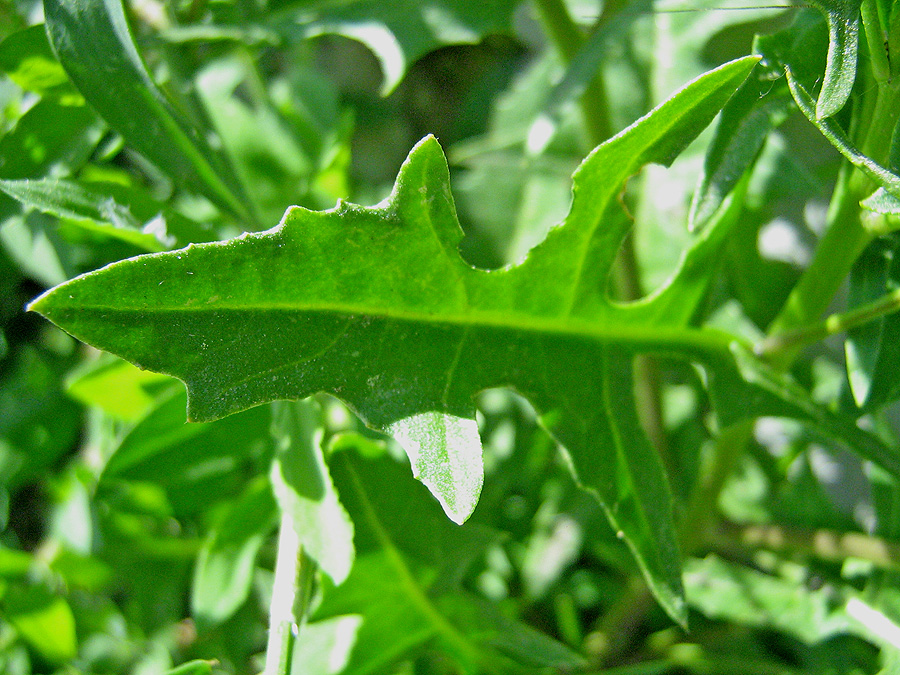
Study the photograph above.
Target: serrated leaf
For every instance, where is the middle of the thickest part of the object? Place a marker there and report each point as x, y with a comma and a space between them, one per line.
401, 32
843, 43
303, 489
376, 306
92, 40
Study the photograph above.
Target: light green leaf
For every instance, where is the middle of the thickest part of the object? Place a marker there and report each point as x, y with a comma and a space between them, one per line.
722, 590
376, 306
117, 387
44, 621
303, 489
402, 31
92, 40
843, 43
196, 667
91, 209
28, 60
223, 575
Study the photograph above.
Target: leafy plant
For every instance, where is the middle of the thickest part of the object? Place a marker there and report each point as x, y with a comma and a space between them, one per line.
609, 366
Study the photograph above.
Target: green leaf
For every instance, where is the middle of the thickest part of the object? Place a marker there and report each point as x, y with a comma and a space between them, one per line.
223, 575
385, 314
117, 387
94, 45
91, 209
303, 488
757, 108
401, 32
843, 42
27, 58
197, 464
888, 180
44, 621
873, 348
723, 590
196, 667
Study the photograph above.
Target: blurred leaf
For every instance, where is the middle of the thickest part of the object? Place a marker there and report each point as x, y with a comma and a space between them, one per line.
196, 667
400, 32
224, 571
325, 646
27, 58
459, 330
91, 209
197, 463
44, 621
303, 488
723, 590
38, 423
94, 45
14, 564
117, 387
873, 348
843, 42
50, 139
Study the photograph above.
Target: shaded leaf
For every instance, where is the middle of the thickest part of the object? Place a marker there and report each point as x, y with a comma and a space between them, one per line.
94, 45
385, 314
196, 667
401, 32
27, 58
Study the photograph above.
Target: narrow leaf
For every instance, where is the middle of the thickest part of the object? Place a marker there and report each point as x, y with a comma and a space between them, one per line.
843, 43
832, 131
92, 40
303, 488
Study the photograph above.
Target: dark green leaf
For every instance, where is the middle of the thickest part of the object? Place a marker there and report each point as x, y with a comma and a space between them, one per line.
757, 108
384, 313
94, 45
401, 32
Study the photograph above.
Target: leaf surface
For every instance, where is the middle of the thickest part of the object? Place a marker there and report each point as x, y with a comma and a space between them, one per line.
376, 306
92, 40
843, 44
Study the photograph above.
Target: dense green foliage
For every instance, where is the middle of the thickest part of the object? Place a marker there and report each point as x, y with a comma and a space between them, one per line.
586, 311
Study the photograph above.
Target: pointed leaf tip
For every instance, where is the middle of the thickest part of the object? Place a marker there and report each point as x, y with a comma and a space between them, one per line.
445, 453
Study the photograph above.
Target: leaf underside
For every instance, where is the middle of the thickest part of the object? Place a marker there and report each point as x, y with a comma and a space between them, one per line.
376, 306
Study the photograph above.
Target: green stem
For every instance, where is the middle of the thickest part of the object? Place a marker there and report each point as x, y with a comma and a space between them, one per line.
834, 324
291, 593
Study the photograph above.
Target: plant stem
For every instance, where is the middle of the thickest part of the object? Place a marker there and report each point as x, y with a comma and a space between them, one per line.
291, 593
834, 324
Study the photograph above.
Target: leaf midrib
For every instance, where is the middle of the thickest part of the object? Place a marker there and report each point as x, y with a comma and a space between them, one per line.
700, 340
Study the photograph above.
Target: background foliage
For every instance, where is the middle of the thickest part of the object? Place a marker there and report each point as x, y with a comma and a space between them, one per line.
746, 490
